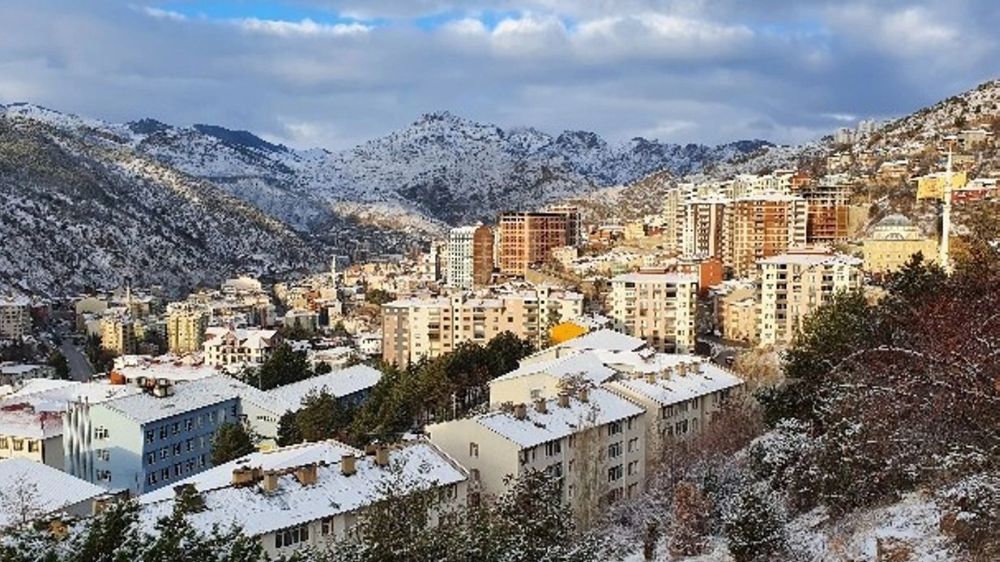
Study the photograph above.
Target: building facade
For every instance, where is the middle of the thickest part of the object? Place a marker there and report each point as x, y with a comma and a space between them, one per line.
226, 346
470, 257
892, 242
657, 307
763, 226
527, 239
794, 284
15, 318
186, 325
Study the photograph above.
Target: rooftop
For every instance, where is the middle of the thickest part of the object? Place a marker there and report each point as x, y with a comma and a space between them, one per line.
343, 382
587, 365
675, 278
258, 512
188, 396
701, 377
52, 490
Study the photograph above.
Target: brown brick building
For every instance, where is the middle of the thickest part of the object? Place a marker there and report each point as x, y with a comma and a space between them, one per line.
527, 239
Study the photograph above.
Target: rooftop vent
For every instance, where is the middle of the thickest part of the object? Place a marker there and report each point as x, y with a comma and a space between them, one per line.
348, 464
382, 455
540, 406
306, 474
270, 481
583, 395
564, 400
520, 411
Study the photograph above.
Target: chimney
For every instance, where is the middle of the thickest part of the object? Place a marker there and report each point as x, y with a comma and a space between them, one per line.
651, 378
520, 411
243, 476
370, 449
696, 367
270, 481
583, 395
306, 474
348, 465
564, 400
540, 405
382, 455
682, 369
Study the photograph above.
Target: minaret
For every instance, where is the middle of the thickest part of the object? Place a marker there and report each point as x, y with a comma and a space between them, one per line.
944, 256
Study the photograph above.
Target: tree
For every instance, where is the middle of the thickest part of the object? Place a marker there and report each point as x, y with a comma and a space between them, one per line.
58, 362
321, 417
690, 525
378, 297
339, 331
20, 499
231, 441
754, 526
288, 430
284, 366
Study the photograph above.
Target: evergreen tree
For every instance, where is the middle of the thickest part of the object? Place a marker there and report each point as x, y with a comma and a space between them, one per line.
754, 526
284, 366
231, 441
288, 430
321, 417
58, 362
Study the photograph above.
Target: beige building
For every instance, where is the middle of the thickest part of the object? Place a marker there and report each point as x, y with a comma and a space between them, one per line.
704, 232
426, 327
308, 496
657, 307
794, 284
588, 438
29, 434
227, 346
735, 310
15, 317
186, 325
892, 242
763, 226
118, 334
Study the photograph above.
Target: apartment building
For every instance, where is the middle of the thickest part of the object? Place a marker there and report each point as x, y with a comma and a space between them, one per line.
734, 308
891, 243
794, 284
679, 394
527, 239
26, 433
763, 226
118, 333
186, 325
329, 484
152, 438
470, 257
574, 226
704, 232
828, 213
589, 439
225, 347
15, 318
659, 308
425, 327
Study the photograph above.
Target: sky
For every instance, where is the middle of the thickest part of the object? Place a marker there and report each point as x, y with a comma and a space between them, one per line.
333, 74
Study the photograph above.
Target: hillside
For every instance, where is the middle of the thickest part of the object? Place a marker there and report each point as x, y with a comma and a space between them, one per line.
79, 214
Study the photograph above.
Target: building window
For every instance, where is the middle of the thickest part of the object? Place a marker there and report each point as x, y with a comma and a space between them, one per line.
177, 449
104, 455
150, 436
165, 474
32, 446
615, 473
18, 444
326, 526
292, 536
614, 428
553, 448
163, 453
104, 476
163, 432
151, 457
473, 449
188, 424
101, 433
615, 450
3, 443
176, 428
633, 444
633, 468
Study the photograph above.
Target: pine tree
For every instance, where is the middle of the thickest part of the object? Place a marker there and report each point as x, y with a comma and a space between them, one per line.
288, 430
231, 442
754, 526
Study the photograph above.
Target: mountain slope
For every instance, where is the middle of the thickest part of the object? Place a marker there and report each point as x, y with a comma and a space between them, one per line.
79, 214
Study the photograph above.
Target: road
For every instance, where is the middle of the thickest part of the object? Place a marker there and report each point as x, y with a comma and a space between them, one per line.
79, 367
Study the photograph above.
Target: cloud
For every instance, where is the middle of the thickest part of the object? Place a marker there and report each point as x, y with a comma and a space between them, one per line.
305, 27
335, 73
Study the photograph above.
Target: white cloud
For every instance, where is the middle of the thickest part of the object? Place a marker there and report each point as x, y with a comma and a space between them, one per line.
305, 27
529, 35
163, 14
658, 35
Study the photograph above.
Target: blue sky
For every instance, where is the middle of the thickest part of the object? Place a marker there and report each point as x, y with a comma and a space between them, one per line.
334, 73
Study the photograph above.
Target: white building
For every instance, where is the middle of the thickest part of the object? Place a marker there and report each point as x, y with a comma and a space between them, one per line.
308, 495
228, 346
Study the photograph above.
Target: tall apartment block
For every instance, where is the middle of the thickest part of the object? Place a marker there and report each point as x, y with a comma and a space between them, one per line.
763, 226
527, 239
657, 307
794, 284
704, 233
470, 256
828, 214
186, 325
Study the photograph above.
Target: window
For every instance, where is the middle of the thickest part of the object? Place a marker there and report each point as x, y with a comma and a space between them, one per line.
177, 448
614, 428
189, 444
163, 432
188, 424
615, 473
473, 449
633, 444
292, 536
150, 436
100, 433
151, 457
104, 455
176, 428
3, 443
177, 469
163, 453
633, 467
104, 476
615, 450
151, 478
32, 446
165, 474
18, 444
553, 448
326, 526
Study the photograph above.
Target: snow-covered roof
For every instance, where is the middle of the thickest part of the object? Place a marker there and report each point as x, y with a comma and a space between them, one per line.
248, 338
52, 395
258, 512
673, 278
166, 370
343, 382
606, 339
51, 489
810, 259
701, 378
602, 407
19, 419
587, 365
188, 396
